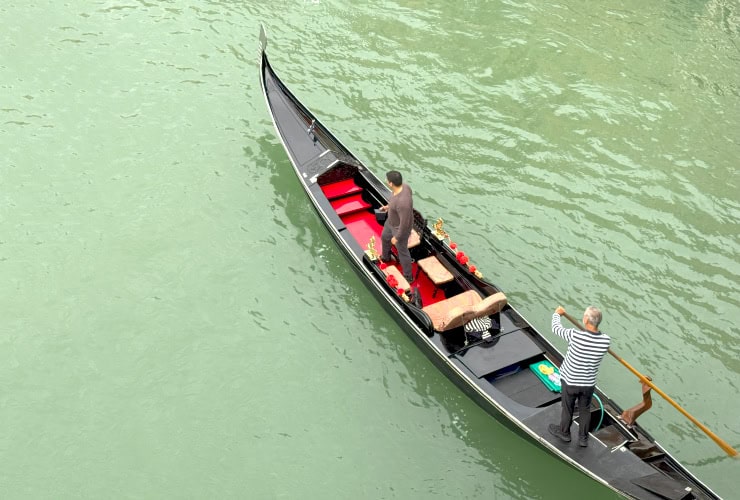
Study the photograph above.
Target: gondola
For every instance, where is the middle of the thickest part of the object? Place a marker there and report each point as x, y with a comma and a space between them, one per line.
508, 367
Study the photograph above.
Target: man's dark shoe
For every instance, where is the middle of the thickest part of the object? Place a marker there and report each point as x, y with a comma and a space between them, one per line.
583, 442
555, 431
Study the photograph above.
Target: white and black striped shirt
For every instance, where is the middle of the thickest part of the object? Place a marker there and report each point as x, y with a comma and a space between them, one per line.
585, 352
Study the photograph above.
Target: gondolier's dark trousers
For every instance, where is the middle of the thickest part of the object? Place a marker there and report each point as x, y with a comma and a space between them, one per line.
404, 256
570, 394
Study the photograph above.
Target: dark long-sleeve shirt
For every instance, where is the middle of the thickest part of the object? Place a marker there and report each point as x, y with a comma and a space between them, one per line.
584, 355
401, 213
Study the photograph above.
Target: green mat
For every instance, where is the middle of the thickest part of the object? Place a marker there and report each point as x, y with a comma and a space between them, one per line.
548, 374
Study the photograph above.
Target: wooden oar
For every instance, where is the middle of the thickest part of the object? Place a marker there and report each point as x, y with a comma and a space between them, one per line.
722, 444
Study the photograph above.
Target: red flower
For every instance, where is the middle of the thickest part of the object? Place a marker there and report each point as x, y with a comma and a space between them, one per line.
464, 259
399, 291
453, 245
459, 255
392, 281
383, 265
472, 268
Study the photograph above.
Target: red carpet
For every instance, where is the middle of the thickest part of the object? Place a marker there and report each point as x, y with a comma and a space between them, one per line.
362, 226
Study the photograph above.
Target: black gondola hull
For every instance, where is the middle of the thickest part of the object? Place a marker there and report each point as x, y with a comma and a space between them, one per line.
493, 373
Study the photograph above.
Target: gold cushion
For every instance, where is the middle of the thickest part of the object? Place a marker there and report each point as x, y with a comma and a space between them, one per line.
490, 305
393, 271
439, 312
435, 270
414, 239
459, 309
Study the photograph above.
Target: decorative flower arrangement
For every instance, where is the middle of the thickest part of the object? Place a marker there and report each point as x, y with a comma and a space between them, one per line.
460, 256
465, 260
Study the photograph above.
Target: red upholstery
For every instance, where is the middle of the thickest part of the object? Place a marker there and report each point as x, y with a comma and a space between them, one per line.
340, 189
349, 204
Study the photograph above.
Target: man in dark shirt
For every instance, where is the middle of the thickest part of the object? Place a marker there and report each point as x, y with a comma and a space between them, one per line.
398, 225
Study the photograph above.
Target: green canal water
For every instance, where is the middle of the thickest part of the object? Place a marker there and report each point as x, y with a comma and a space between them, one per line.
176, 323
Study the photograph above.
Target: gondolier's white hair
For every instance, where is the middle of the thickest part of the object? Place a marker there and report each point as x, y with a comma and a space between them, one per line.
594, 315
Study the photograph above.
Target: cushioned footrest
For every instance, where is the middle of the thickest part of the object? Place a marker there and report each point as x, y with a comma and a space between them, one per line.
393, 271
414, 240
435, 270
349, 205
340, 189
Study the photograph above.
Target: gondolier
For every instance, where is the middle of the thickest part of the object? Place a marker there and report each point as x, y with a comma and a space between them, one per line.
578, 372
397, 227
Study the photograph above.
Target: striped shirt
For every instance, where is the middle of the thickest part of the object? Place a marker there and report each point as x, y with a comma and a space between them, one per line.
585, 352
478, 325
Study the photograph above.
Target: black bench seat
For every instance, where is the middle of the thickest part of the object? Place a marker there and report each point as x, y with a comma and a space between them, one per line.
507, 349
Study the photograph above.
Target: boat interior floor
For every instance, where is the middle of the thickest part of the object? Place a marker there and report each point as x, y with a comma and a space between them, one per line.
526, 389
610, 463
